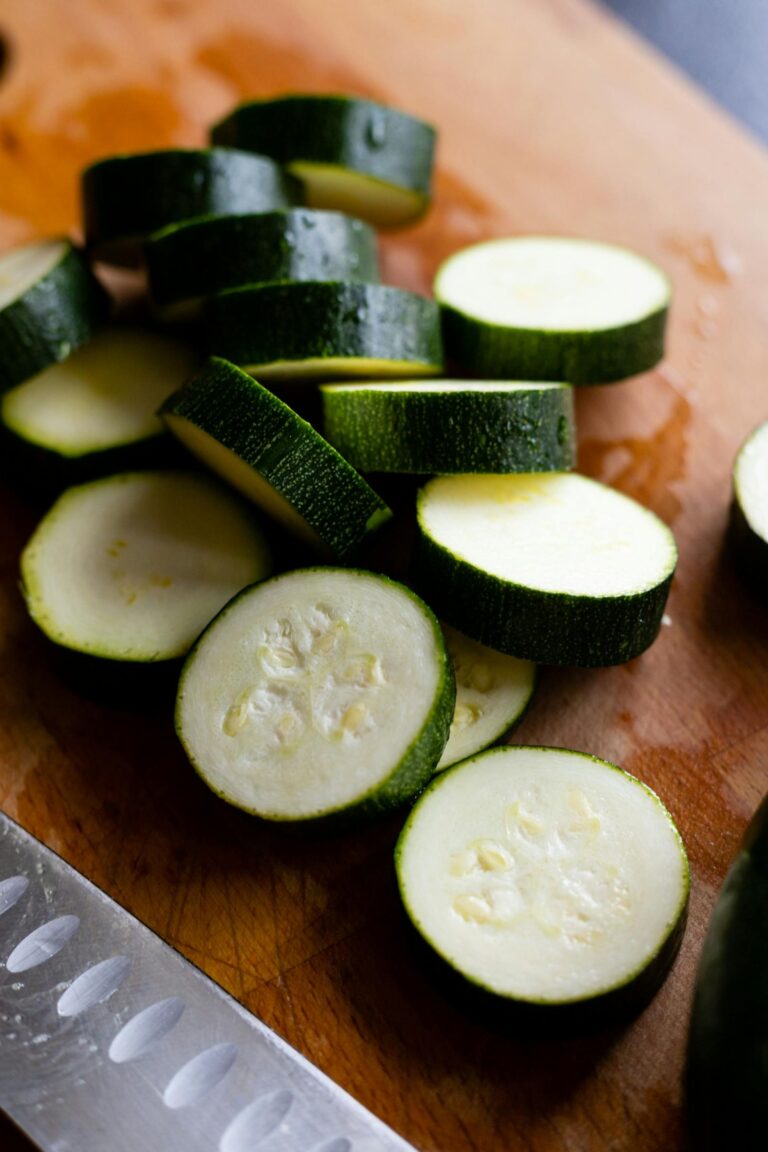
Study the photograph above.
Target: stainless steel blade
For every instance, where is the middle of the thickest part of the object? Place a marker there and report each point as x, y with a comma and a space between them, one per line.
110, 1041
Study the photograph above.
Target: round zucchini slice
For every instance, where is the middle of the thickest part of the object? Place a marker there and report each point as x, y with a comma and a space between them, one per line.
321, 693
261, 446
50, 304
749, 510
132, 567
450, 426
545, 877
492, 693
126, 198
97, 405
188, 263
551, 566
319, 330
359, 157
549, 308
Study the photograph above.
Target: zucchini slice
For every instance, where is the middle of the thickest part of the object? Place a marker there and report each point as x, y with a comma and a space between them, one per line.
50, 304
725, 1067
126, 198
189, 262
551, 567
545, 877
261, 446
99, 403
132, 567
448, 426
321, 330
322, 692
549, 308
360, 157
492, 693
749, 509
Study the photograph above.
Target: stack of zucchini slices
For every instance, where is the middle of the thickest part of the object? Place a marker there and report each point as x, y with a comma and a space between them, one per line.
328, 693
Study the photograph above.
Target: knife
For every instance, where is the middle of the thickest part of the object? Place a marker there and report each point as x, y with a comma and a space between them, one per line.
110, 1041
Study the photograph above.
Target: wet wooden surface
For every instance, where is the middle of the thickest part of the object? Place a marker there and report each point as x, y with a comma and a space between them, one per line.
552, 120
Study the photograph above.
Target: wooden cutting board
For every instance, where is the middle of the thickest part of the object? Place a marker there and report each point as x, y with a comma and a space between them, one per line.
552, 119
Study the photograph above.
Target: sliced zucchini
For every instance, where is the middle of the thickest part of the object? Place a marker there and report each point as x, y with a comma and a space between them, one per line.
317, 330
100, 401
323, 692
549, 308
492, 693
132, 567
126, 198
725, 1067
261, 446
749, 509
354, 155
545, 877
50, 304
187, 263
448, 426
551, 567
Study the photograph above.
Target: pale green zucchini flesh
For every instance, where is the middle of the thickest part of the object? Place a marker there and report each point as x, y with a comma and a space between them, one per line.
104, 396
322, 692
553, 308
550, 567
492, 693
544, 876
132, 567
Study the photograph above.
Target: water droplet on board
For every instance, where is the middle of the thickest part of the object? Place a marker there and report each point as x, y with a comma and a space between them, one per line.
376, 130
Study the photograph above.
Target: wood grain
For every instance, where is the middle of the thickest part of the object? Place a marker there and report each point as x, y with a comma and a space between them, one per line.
552, 119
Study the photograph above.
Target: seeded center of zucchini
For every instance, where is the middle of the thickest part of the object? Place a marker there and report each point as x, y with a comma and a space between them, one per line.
310, 674
549, 868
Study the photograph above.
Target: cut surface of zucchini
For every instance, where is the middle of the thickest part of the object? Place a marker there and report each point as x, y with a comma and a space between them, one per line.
262, 447
322, 691
449, 426
50, 304
492, 693
551, 567
354, 155
319, 329
105, 395
132, 567
128, 197
543, 875
749, 512
551, 308
188, 263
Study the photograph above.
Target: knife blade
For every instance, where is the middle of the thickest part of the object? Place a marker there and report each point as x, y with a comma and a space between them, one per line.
111, 1041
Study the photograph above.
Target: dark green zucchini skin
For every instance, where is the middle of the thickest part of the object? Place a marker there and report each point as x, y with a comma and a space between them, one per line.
196, 260
546, 627
268, 436
352, 133
295, 322
51, 319
726, 1073
597, 357
127, 197
452, 431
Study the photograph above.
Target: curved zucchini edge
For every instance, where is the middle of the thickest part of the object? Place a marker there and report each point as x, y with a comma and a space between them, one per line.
412, 772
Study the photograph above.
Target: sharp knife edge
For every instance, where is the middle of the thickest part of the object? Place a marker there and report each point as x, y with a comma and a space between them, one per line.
110, 1041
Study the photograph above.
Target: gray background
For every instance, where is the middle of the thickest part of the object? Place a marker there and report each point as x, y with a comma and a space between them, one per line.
722, 44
